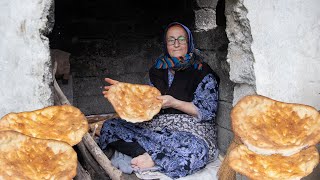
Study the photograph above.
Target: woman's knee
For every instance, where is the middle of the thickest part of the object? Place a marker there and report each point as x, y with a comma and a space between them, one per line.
199, 154
110, 124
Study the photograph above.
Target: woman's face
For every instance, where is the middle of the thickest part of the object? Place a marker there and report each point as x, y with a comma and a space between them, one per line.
177, 41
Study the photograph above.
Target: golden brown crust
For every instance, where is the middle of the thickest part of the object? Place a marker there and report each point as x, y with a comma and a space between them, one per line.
267, 126
25, 157
65, 123
134, 102
273, 167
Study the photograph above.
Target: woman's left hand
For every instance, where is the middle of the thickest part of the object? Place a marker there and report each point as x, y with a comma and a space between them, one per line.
171, 102
167, 101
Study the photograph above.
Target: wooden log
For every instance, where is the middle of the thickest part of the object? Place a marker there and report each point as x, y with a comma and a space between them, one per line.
86, 155
101, 158
102, 117
60, 98
90, 144
81, 173
225, 172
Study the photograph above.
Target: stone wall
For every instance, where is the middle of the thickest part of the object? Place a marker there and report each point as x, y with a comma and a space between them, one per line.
212, 40
240, 65
95, 60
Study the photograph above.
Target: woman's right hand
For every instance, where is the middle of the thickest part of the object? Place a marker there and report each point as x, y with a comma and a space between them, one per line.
106, 88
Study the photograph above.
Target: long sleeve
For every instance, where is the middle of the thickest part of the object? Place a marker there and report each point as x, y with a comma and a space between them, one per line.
206, 98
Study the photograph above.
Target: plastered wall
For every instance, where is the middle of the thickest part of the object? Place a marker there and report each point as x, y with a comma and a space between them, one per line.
25, 66
286, 49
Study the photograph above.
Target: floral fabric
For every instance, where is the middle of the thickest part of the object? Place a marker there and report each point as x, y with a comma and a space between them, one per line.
178, 143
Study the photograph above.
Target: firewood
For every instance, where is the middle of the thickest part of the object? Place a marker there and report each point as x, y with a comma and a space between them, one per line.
97, 153
225, 172
94, 149
82, 174
86, 155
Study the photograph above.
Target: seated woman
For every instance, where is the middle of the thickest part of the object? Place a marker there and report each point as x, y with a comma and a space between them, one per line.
182, 138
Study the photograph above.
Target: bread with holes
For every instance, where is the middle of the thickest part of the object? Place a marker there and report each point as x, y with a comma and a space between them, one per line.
267, 126
273, 167
64, 123
25, 157
134, 102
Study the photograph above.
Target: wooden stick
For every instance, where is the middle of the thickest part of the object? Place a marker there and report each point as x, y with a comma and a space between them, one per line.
85, 153
94, 149
97, 153
61, 97
225, 172
94, 130
81, 173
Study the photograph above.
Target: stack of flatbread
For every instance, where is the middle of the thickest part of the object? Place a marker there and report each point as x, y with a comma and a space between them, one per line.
134, 102
278, 139
38, 144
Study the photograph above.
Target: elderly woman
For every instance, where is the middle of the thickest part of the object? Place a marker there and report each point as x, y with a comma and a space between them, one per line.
181, 139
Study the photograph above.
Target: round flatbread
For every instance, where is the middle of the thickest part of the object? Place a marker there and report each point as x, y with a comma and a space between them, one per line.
65, 123
273, 167
134, 102
267, 126
25, 157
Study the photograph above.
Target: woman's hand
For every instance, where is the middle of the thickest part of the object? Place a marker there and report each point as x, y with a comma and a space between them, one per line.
171, 102
106, 88
167, 101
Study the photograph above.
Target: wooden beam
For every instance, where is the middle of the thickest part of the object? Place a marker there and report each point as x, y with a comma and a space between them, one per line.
81, 173
89, 160
87, 140
101, 158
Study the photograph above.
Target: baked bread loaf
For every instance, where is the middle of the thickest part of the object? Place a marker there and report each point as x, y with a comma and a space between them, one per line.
134, 102
267, 126
25, 157
273, 167
65, 123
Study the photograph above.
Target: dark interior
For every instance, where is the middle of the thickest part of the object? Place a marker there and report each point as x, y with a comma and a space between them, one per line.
121, 39
101, 19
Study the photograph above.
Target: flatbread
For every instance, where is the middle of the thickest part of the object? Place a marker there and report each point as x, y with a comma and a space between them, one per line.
267, 126
25, 157
134, 102
65, 123
273, 167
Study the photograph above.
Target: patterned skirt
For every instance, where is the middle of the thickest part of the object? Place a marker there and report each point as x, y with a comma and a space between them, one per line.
178, 143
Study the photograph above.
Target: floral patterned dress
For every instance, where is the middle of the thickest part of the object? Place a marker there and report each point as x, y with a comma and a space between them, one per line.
179, 144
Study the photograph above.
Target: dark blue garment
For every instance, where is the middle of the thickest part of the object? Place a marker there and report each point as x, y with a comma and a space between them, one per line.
177, 153
178, 143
